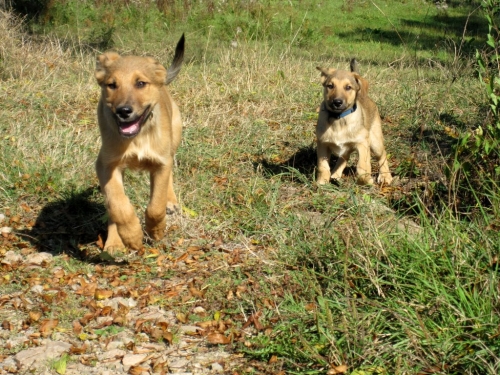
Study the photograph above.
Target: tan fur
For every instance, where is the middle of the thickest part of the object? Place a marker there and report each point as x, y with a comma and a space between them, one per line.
134, 95
359, 131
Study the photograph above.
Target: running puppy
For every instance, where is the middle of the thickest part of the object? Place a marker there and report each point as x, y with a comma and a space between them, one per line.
141, 129
349, 121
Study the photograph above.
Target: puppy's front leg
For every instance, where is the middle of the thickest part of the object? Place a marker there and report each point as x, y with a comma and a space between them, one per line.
124, 228
323, 152
162, 198
364, 168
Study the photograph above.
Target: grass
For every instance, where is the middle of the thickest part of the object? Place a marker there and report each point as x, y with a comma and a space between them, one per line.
387, 281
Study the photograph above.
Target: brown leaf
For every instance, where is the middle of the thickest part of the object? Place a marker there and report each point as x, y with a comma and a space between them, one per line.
181, 317
194, 291
168, 336
77, 327
159, 366
218, 338
337, 370
99, 242
181, 258
103, 294
156, 333
273, 359
207, 324
47, 326
310, 306
35, 315
78, 350
138, 370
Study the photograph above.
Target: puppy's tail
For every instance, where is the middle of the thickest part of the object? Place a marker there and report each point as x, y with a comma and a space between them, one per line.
354, 65
175, 68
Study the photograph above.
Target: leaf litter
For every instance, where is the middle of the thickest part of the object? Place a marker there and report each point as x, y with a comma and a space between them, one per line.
157, 311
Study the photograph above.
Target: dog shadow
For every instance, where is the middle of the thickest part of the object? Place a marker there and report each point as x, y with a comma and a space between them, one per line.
70, 224
301, 164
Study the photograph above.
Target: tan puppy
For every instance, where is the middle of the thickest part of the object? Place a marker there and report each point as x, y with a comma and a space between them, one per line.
349, 121
140, 128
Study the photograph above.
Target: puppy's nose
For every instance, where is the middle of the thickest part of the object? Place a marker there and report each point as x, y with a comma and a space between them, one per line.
124, 111
337, 102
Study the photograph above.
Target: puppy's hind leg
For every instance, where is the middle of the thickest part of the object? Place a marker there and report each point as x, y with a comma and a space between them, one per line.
378, 149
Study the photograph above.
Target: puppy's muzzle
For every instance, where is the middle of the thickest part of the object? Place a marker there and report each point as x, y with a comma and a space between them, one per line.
336, 105
123, 113
129, 123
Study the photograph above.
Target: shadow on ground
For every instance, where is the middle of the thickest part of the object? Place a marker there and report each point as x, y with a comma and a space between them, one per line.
68, 224
303, 162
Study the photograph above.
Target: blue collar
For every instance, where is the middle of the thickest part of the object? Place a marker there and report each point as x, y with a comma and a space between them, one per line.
342, 114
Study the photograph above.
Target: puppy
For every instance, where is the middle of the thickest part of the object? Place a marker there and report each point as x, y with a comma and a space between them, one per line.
349, 121
140, 128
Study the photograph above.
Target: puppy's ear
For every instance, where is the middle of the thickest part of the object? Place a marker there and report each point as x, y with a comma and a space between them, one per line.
159, 73
354, 65
363, 84
104, 61
325, 73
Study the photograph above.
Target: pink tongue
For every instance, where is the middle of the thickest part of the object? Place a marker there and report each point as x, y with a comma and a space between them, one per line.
129, 128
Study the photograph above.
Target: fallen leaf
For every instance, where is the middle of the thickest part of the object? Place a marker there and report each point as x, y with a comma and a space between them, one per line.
168, 336
181, 317
218, 338
99, 242
78, 349
182, 257
60, 365
35, 315
103, 294
337, 370
47, 326
273, 359
138, 370
194, 291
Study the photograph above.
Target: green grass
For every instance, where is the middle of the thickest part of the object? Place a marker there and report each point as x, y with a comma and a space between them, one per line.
336, 272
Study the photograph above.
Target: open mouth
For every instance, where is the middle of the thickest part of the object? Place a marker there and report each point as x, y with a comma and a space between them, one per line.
132, 127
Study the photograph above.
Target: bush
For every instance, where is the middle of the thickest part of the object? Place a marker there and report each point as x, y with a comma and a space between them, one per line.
476, 170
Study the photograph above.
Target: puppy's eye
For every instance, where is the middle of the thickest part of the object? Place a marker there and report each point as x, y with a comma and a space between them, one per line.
330, 86
347, 88
140, 84
111, 86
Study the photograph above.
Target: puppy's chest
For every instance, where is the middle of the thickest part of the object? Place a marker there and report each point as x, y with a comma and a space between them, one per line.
341, 132
145, 153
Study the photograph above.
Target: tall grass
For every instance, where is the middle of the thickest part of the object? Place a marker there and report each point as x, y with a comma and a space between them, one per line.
385, 281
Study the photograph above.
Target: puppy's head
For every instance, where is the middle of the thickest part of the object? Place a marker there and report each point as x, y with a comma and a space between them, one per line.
130, 88
340, 89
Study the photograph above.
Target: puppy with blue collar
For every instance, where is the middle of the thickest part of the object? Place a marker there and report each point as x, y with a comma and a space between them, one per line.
349, 121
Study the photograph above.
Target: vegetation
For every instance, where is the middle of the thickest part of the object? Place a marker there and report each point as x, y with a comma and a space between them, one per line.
394, 280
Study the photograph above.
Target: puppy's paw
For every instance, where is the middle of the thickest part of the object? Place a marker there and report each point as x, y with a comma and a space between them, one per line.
365, 179
156, 232
384, 179
115, 247
323, 177
131, 235
336, 176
